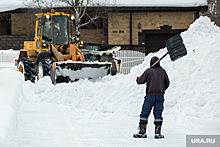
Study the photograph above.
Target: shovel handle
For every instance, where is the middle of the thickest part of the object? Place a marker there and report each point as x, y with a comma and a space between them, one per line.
159, 59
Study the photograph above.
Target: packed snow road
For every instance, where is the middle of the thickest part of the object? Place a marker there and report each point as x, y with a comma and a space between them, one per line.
53, 116
42, 123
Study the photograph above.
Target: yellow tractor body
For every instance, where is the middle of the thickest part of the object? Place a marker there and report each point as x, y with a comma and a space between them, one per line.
54, 54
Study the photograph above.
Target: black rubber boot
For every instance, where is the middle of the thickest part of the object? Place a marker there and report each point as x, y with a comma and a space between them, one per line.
142, 132
158, 134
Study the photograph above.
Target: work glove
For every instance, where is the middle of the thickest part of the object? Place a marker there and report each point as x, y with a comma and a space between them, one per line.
138, 77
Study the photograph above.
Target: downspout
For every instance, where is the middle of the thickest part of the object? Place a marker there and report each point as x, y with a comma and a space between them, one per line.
8, 24
106, 30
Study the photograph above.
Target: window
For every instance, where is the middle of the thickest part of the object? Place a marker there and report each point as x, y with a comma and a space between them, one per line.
38, 43
39, 27
47, 37
60, 30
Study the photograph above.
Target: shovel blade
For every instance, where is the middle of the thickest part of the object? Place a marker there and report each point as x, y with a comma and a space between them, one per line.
178, 52
176, 47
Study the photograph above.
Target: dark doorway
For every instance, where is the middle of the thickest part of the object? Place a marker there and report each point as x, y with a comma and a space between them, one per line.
3, 24
154, 42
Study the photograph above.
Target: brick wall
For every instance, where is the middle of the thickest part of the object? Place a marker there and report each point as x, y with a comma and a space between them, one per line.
22, 24
119, 28
148, 21
13, 41
25, 24
118, 25
91, 35
153, 21
17, 41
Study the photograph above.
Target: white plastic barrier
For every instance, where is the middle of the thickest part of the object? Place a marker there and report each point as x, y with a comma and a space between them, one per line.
8, 55
130, 58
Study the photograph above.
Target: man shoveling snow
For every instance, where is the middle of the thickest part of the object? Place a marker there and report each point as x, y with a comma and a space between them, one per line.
157, 82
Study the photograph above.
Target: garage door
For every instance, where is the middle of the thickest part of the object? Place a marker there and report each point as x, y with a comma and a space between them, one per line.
154, 42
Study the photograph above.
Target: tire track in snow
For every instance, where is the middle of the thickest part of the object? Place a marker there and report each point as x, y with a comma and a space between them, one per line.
43, 124
71, 127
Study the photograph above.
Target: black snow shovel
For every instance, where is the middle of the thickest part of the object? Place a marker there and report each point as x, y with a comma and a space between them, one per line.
175, 48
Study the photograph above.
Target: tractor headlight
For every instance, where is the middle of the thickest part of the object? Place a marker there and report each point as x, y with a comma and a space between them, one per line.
72, 17
44, 45
47, 16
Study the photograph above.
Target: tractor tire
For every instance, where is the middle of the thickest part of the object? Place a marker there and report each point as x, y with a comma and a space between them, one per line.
44, 68
25, 68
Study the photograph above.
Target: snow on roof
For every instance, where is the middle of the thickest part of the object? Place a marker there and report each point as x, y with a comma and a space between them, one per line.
162, 3
7, 5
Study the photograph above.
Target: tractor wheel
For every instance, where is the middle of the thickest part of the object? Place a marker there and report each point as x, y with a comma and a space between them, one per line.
25, 68
44, 68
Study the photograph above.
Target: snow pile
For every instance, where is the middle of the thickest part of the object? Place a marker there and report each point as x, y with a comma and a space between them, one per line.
195, 86
11, 96
106, 95
194, 89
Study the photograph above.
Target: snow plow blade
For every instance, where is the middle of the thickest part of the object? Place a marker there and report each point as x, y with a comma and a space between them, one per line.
70, 71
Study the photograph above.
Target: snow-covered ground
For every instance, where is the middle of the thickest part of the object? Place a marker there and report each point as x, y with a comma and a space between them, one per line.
105, 112
11, 91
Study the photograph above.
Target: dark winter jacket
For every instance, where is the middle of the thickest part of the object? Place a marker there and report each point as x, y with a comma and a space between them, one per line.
156, 79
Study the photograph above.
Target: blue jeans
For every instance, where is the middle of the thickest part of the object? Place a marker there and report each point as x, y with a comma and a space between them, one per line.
155, 101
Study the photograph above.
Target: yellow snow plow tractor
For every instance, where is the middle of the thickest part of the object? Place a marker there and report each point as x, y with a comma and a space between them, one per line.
52, 53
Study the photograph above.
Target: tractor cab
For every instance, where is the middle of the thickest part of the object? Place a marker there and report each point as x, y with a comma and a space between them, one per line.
53, 28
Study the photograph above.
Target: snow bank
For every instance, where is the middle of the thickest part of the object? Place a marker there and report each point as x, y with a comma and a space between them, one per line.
194, 89
11, 95
195, 84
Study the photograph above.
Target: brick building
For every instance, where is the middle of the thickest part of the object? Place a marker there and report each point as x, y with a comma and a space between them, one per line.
140, 27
